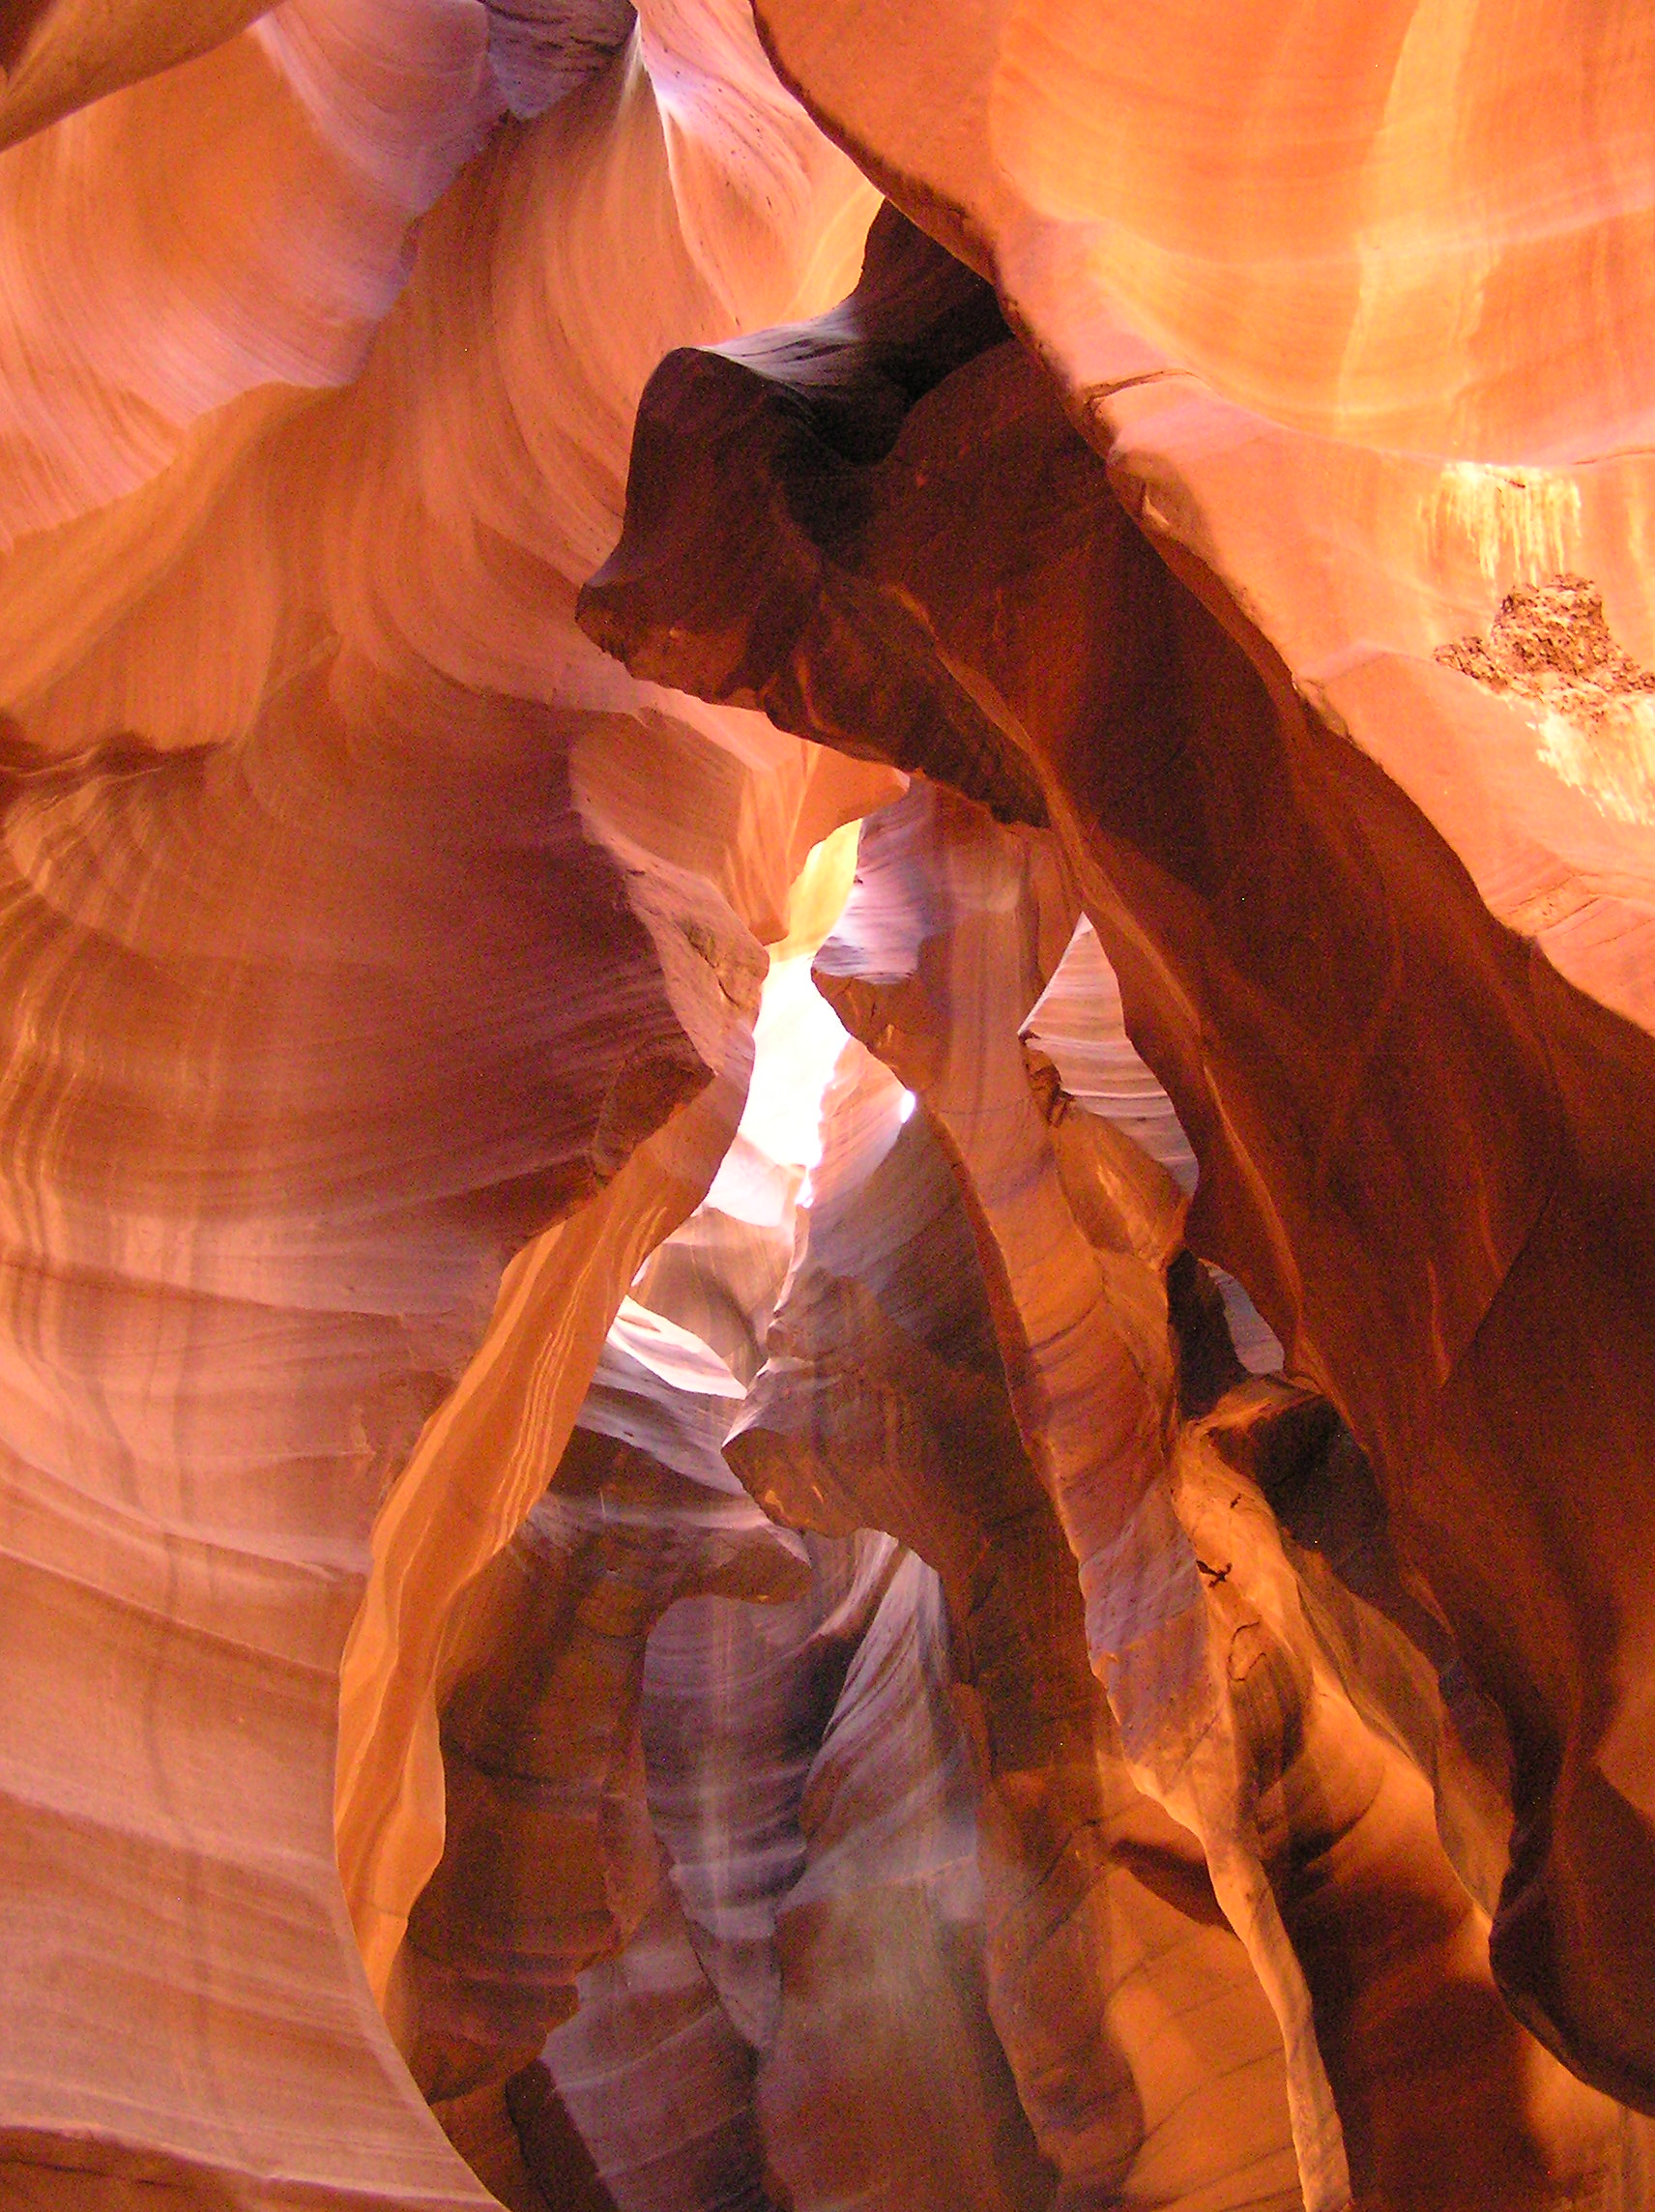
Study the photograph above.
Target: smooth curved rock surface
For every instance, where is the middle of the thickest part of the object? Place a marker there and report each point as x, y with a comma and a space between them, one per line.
1419, 1097
1396, 187
1314, 1802
1010, 1580
343, 970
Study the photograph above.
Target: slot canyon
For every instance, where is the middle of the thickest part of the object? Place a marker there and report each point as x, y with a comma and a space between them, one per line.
827, 1106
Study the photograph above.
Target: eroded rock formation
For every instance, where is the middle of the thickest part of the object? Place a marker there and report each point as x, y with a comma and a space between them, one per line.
826, 1130
1471, 1211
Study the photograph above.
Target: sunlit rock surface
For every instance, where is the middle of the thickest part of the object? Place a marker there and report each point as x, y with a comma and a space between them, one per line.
1421, 1097
827, 1275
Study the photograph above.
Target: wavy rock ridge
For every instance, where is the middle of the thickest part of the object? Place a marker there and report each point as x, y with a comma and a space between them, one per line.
826, 1250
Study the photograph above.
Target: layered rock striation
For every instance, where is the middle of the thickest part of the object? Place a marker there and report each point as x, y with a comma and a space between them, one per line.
825, 1134
1426, 1163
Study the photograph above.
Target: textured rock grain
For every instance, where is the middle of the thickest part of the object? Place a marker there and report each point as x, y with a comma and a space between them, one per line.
1013, 1580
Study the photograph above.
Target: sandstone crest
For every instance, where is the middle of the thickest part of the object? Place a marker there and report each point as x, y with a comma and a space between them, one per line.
827, 1125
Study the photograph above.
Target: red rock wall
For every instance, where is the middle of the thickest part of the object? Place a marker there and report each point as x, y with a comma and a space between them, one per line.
1012, 1579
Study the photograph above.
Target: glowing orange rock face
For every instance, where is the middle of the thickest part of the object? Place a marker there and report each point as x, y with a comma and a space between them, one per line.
1343, 219
357, 965
622, 1595
1299, 940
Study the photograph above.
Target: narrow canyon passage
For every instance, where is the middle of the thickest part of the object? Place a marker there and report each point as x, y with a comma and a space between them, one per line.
828, 1108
